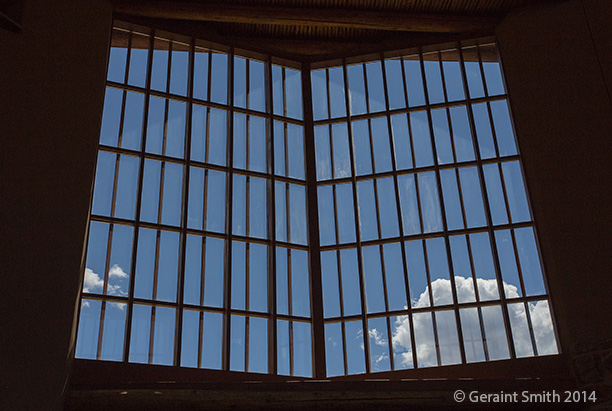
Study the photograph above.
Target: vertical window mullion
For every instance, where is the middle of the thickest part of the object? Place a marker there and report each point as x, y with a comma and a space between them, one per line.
443, 211
366, 340
314, 255
271, 220
400, 217
227, 300
129, 313
485, 199
178, 335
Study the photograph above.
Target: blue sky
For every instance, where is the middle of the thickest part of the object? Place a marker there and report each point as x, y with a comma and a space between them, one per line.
379, 144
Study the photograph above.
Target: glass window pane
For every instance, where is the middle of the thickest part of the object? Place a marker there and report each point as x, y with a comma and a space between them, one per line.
331, 290
356, 87
257, 95
462, 270
452, 202
507, 262
327, 232
376, 92
355, 357
337, 102
319, 94
163, 340
297, 207
472, 336
402, 345
295, 151
424, 340
300, 283
350, 282
132, 121
240, 82
472, 197
503, 128
238, 343
483, 130
145, 263
173, 191
193, 269
530, 261
212, 337
283, 349
89, 327
200, 74
409, 204
103, 189
382, 149
444, 149
361, 143
302, 350
394, 275
334, 358
175, 134
517, 198
178, 72
118, 57
387, 206
323, 153
438, 271
430, 202
127, 181
395, 84
495, 194
140, 337
119, 270
520, 330
218, 136
167, 274
190, 339
258, 345
543, 328
340, 144
483, 266
345, 213
111, 117
417, 274
214, 272
419, 125
368, 226
155, 125
372, 270
282, 281
159, 74
414, 81
379, 345
492, 70
258, 278
495, 331
452, 75
401, 141
472, 71
462, 135
218, 83
93, 279
447, 337
239, 264
433, 78
293, 87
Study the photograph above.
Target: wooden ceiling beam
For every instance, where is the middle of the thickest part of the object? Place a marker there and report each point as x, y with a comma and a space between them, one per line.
298, 16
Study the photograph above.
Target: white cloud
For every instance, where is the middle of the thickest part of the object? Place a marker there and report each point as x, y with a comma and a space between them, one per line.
92, 281
117, 271
494, 327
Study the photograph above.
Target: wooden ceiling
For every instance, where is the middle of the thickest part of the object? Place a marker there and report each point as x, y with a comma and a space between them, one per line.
314, 30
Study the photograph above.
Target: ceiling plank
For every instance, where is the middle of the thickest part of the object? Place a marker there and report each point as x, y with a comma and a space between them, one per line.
299, 16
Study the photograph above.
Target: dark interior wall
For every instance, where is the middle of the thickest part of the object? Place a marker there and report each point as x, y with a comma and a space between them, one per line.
557, 61
51, 96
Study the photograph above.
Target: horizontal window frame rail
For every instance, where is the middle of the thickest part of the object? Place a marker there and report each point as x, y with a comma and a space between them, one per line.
204, 103
425, 236
438, 308
412, 109
417, 170
200, 164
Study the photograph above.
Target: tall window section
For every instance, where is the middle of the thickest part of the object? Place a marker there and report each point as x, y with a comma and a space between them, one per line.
198, 251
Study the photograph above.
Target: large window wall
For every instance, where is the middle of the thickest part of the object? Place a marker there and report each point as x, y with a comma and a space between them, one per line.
428, 249
200, 252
